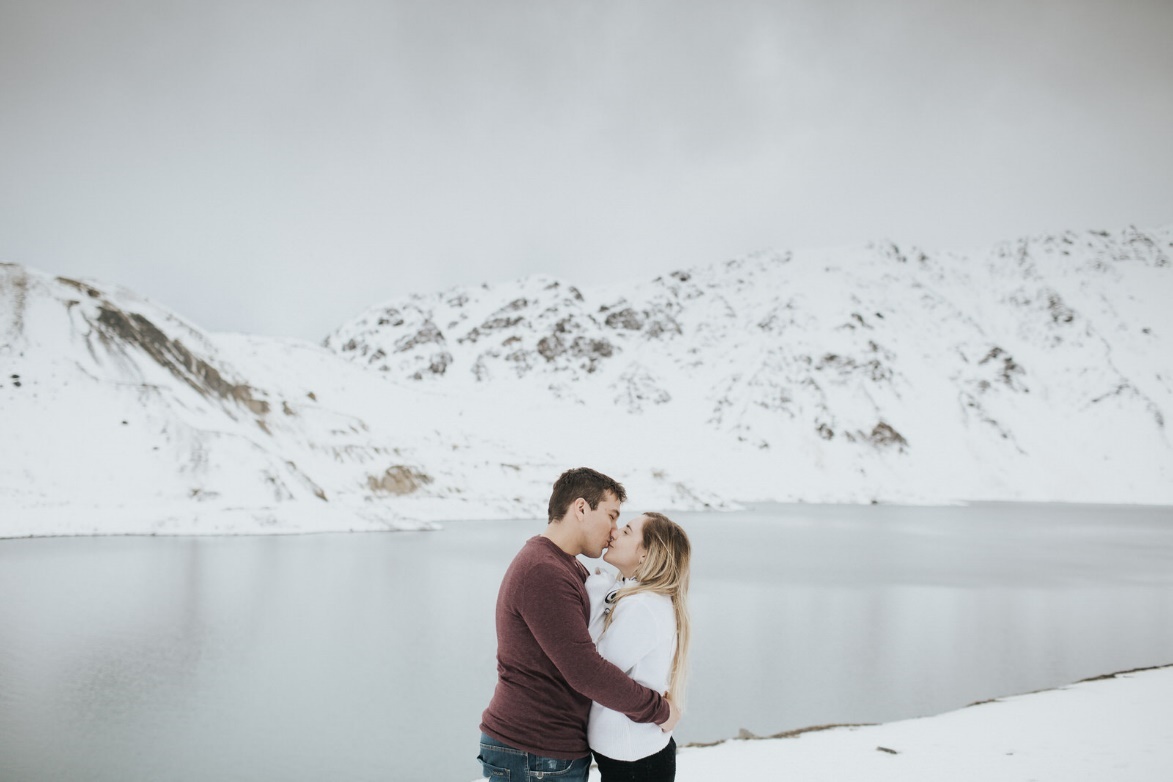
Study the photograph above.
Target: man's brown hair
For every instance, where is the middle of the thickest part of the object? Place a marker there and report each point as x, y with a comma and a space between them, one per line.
583, 482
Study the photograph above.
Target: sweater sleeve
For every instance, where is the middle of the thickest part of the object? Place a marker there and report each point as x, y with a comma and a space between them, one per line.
552, 606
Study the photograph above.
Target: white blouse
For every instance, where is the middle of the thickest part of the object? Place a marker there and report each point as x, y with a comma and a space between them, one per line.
641, 642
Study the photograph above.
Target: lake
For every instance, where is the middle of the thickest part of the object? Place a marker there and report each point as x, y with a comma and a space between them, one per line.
371, 656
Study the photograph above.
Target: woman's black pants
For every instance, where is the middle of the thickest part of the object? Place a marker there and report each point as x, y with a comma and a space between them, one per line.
660, 767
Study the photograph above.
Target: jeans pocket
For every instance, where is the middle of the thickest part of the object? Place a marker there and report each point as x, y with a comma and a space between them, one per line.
489, 771
555, 769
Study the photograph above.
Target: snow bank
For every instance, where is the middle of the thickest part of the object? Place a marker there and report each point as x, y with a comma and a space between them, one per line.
1117, 728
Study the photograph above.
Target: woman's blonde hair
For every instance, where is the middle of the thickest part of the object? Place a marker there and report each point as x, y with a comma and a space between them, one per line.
664, 571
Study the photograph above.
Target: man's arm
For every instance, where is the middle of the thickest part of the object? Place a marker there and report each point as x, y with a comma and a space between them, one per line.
553, 610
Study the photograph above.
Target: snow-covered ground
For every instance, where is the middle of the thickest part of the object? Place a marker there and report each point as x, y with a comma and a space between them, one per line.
1114, 729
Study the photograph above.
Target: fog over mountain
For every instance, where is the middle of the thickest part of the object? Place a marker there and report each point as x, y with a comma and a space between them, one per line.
1038, 369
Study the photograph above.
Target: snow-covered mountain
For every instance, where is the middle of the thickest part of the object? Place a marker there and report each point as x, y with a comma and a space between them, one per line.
119, 416
1040, 369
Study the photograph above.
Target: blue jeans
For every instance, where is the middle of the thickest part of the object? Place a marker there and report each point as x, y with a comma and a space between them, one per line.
503, 763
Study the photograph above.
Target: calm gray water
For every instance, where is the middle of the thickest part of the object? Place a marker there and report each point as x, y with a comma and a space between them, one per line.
370, 656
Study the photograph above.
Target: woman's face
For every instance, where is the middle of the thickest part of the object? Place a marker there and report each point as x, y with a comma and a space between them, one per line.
626, 549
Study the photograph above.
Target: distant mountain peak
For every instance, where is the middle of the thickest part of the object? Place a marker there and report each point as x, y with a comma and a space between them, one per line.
1036, 369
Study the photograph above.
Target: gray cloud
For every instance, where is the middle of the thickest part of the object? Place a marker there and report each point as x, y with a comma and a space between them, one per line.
277, 166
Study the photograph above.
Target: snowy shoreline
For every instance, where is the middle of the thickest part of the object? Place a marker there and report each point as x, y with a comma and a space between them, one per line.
1117, 726
314, 518
190, 519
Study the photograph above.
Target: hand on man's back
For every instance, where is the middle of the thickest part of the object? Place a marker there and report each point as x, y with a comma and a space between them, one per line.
674, 715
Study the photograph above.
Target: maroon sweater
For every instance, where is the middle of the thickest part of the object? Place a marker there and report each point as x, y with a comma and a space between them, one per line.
548, 670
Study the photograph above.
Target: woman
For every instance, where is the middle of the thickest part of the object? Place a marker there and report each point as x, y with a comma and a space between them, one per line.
640, 623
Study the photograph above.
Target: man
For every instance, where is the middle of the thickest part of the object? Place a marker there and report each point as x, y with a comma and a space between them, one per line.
548, 670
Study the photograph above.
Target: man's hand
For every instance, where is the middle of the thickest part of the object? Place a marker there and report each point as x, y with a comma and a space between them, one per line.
674, 715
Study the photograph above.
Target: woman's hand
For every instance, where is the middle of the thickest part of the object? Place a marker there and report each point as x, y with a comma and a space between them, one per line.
674, 715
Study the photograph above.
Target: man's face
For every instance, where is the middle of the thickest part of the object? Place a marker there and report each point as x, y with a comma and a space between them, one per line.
598, 525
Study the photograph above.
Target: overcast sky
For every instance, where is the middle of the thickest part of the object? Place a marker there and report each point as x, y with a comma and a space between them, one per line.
276, 167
